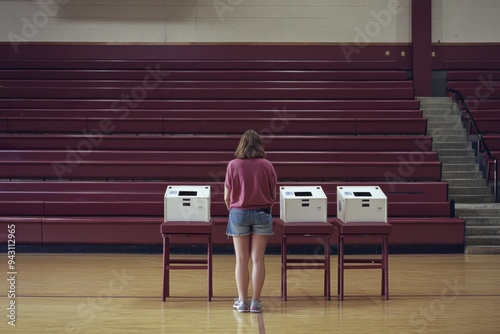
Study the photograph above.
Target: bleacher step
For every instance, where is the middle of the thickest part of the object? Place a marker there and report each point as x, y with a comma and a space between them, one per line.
435, 103
433, 99
444, 116
469, 190
452, 152
447, 175
477, 199
441, 124
440, 116
438, 110
478, 210
466, 183
482, 240
483, 221
482, 230
457, 159
460, 167
461, 146
482, 250
448, 134
444, 136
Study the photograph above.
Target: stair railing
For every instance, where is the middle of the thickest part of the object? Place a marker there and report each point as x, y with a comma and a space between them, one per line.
481, 142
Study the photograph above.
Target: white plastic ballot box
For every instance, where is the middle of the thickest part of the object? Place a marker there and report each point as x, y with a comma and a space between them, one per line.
187, 203
361, 204
302, 204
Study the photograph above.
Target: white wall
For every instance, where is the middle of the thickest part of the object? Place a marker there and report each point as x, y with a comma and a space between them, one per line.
171, 21
466, 21
160, 21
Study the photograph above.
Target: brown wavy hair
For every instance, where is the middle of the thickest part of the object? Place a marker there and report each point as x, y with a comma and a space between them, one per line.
250, 146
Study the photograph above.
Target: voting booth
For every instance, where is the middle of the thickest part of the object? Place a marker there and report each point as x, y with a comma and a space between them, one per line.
187, 203
361, 204
302, 204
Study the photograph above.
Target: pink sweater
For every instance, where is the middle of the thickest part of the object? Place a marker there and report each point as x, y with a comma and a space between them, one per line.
252, 183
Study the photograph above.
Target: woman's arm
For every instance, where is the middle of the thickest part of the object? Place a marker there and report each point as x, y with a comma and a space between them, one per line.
227, 196
273, 195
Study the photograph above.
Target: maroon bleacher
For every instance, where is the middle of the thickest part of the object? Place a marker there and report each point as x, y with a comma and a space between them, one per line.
61, 207
91, 135
218, 125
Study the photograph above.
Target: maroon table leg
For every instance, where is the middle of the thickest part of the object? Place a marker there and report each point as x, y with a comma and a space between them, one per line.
385, 270
341, 268
327, 269
283, 268
210, 268
166, 262
187, 229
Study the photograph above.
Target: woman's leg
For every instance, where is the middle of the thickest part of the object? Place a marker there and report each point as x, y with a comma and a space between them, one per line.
242, 250
259, 243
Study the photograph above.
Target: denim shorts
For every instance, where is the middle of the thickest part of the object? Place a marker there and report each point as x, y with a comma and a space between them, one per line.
244, 222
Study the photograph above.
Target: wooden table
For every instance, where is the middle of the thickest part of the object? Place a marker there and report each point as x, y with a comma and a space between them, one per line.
317, 230
198, 230
379, 230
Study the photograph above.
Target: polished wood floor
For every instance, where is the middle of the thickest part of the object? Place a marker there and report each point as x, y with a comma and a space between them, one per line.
68, 293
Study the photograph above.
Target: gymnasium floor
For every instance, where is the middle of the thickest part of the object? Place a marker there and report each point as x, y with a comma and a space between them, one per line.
109, 293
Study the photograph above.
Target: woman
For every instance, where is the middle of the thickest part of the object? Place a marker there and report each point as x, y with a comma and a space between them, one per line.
249, 193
